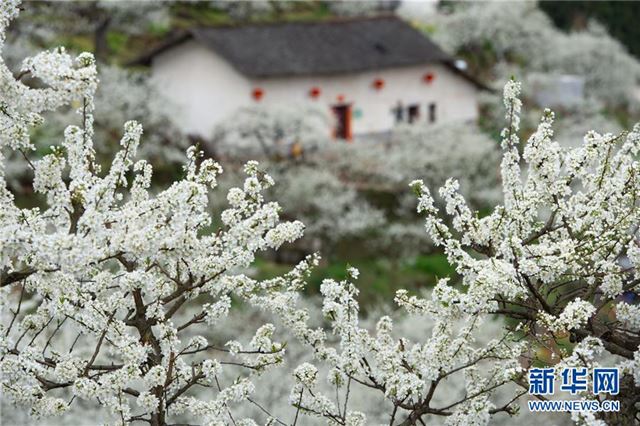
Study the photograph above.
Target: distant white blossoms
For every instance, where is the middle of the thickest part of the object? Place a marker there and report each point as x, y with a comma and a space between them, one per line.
522, 37
96, 284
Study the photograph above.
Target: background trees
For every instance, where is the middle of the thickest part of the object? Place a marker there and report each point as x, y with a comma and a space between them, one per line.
135, 302
614, 15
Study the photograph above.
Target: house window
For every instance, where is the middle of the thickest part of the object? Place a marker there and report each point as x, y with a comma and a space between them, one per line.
398, 112
413, 113
342, 113
432, 112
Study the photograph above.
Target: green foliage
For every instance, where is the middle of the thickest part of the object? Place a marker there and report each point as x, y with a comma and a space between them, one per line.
75, 43
383, 277
186, 14
117, 41
434, 264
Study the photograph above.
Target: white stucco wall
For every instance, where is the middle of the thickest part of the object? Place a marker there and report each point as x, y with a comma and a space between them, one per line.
455, 98
203, 85
208, 89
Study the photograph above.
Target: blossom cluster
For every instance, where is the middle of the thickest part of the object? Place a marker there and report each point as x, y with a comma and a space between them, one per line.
110, 291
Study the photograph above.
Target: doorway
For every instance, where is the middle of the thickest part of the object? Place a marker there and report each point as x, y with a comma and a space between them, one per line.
342, 113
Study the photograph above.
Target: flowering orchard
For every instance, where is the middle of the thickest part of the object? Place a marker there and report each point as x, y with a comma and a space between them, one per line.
108, 292
523, 36
348, 192
274, 132
113, 264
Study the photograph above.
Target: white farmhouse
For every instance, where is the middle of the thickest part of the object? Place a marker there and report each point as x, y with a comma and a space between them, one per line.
371, 72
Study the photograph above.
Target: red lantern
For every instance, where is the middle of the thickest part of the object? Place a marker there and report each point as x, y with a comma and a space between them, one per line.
257, 93
428, 77
314, 92
378, 83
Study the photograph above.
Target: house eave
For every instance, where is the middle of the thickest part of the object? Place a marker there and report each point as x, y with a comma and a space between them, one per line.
170, 42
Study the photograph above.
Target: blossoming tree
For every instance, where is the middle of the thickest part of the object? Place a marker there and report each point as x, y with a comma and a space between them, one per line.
272, 132
558, 258
95, 285
523, 36
112, 264
381, 171
121, 95
289, 142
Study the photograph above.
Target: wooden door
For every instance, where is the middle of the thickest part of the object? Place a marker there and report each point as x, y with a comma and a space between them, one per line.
342, 113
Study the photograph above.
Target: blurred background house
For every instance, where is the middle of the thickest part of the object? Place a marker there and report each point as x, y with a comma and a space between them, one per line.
266, 80
371, 72
279, 81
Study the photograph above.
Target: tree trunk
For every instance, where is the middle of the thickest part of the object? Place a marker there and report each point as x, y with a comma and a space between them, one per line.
100, 44
629, 395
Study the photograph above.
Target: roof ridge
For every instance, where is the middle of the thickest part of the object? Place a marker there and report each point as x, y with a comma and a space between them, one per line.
337, 46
